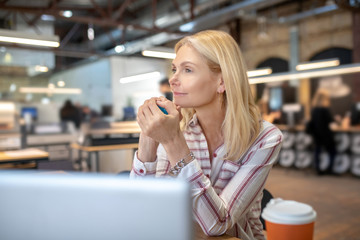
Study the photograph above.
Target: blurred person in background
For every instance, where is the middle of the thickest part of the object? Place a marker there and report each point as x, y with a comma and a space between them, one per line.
70, 113
213, 136
164, 87
320, 128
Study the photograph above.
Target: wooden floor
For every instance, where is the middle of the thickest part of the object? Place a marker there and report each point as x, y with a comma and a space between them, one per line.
336, 199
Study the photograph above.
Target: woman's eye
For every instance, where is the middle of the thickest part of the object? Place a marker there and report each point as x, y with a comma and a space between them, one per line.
188, 70
173, 70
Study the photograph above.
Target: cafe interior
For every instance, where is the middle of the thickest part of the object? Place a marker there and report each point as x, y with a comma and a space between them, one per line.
74, 73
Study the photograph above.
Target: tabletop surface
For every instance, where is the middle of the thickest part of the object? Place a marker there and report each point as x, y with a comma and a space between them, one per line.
105, 147
199, 235
23, 154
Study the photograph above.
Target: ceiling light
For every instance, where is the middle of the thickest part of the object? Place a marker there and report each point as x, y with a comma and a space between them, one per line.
46, 17
39, 68
259, 72
61, 84
339, 70
13, 87
67, 13
187, 27
158, 54
91, 32
318, 64
45, 100
9, 36
140, 77
28, 97
119, 48
7, 106
7, 58
51, 90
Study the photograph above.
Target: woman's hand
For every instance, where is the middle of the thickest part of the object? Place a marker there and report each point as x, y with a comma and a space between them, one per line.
155, 124
157, 127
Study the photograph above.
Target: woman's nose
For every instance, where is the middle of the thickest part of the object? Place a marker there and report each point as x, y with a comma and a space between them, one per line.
174, 79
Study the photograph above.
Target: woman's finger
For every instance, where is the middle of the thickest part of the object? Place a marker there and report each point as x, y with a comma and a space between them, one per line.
178, 108
148, 113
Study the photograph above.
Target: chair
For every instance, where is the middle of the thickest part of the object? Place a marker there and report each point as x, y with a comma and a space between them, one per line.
265, 199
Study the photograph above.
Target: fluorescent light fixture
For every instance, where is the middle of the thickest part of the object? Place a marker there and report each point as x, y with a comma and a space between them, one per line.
9, 36
39, 68
140, 77
159, 54
119, 48
7, 107
259, 72
318, 64
51, 90
187, 27
46, 17
339, 70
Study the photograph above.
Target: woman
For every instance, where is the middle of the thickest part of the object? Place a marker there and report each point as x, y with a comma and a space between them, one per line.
321, 119
218, 142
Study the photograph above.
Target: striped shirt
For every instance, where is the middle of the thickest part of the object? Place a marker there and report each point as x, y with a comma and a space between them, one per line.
226, 194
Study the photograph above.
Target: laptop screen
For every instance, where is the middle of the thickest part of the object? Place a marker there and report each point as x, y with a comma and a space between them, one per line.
38, 206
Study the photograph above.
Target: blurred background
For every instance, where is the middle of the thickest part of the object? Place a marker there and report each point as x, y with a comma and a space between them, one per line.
73, 73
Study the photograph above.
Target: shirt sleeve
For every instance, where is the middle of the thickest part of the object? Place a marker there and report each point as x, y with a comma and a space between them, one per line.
142, 169
218, 213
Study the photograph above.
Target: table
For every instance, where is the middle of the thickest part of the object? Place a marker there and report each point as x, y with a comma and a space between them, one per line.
223, 237
200, 235
23, 156
96, 149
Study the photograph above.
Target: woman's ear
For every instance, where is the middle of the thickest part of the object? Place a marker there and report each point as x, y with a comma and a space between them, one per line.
221, 87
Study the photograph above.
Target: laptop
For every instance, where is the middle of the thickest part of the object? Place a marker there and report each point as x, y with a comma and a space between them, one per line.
59, 206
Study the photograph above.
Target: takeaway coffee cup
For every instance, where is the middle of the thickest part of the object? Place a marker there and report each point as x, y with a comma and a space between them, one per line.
288, 220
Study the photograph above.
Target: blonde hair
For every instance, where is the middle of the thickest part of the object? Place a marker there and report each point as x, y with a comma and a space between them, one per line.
242, 121
321, 98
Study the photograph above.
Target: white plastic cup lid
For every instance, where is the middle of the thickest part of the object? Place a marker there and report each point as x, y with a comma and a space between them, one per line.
288, 212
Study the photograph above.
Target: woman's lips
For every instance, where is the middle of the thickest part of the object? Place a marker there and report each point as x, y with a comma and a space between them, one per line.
179, 94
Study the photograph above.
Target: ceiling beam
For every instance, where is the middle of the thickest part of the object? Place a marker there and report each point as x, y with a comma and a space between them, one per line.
69, 35
30, 23
192, 7
54, 4
58, 52
99, 9
120, 11
154, 4
179, 10
85, 20
109, 7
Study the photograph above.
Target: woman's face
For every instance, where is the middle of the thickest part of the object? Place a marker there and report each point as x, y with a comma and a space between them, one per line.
193, 84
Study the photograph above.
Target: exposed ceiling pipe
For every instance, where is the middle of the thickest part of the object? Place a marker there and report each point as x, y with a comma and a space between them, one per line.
203, 22
226, 14
306, 14
165, 20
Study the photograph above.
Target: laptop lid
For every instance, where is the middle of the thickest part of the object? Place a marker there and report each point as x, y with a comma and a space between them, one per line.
43, 206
